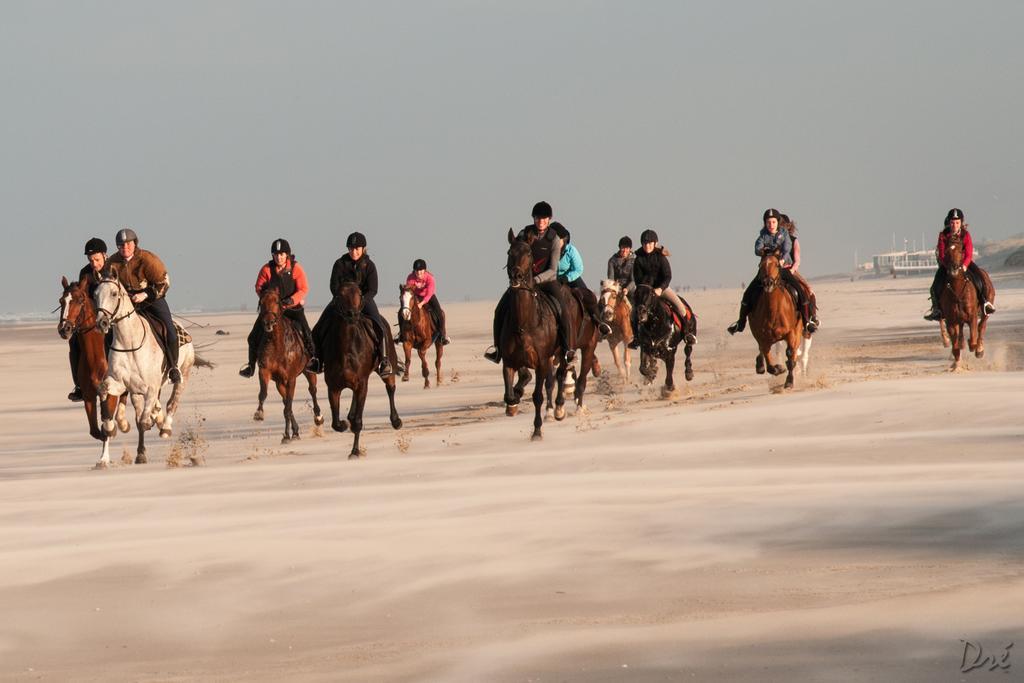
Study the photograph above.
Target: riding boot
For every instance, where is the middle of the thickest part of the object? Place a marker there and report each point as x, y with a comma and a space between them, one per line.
493, 353
690, 336
173, 373
386, 366
249, 369
314, 364
74, 351
565, 335
741, 321
635, 342
935, 313
809, 326
443, 323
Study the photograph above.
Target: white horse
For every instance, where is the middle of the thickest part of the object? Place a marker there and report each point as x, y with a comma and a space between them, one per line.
135, 365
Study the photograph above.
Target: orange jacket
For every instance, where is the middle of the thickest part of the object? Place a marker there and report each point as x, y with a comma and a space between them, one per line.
298, 274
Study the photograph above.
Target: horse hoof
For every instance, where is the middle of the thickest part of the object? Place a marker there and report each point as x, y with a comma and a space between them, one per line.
258, 416
318, 420
688, 375
396, 423
511, 410
559, 413
405, 378
788, 384
536, 436
339, 426
165, 433
125, 427
140, 459
980, 353
295, 436
285, 440
101, 465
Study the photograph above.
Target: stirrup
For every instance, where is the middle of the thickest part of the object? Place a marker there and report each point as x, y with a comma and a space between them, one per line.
570, 356
604, 328
446, 340
492, 354
934, 314
690, 338
737, 326
76, 395
385, 369
989, 308
314, 365
811, 327
247, 371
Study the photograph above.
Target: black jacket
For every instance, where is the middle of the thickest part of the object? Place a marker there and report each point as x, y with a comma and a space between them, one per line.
652, 269
362, 272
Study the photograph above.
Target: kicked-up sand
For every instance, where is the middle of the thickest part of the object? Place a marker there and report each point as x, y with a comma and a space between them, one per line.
867, 525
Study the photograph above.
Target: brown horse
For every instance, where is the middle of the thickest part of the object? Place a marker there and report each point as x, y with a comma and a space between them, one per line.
349, 359
78, 319
282, 358
615, 310
959, 303
418, 332
775, 318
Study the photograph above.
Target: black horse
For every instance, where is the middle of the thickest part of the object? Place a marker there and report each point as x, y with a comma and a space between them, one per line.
659, 337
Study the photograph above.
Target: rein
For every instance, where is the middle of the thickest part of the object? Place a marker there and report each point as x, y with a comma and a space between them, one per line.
114, 321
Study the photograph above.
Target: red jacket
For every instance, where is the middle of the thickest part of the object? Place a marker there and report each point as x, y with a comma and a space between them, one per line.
968, 246
425, 288
298, 274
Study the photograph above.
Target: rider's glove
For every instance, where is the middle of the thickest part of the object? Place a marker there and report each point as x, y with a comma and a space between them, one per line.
287, 301
139, 298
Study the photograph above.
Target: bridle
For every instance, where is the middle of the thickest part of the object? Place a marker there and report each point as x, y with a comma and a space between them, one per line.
770, 283
76, 325
114, 320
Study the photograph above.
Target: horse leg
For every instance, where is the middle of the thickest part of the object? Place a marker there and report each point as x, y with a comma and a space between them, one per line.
538, 398
613, 346
549, 391
521, 382
771, 367
121, 414
805, 354
945, 335
389, 385
687, 364
669, 388
979, 347
90, 414
439, 351
627, 359
167, 426
141, 416
282, 388
759, 364
512, 393
355, 414
258, 415
955, 338
560, 372
318, 418
790, 360
110, 393
334, 398
407, 347
423, 366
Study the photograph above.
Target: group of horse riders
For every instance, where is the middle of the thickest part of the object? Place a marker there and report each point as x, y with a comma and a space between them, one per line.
557, 270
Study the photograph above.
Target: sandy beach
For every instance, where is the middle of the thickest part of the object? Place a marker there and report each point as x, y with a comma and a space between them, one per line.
859, 527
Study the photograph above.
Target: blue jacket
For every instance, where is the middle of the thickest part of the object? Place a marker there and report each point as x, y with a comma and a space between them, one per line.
780, 240
570, 266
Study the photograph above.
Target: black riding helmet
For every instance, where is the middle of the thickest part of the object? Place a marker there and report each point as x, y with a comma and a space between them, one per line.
954, 213
771, 213
542, 210
281, 246
648, 236
419, 264
126, 235
95, 246
625, 241
356, 239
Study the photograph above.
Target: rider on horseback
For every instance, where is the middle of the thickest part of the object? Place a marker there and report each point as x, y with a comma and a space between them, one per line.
620, 265
357, 267
286, 270
143, 274
651, 268
772, 239
794, 269
422, 282
89, 276
547, 251
570, 273
957, 229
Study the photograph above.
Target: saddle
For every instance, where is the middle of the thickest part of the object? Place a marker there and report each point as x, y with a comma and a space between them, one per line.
160, 332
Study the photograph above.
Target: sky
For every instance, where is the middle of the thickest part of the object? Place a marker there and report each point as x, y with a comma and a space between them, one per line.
212, 128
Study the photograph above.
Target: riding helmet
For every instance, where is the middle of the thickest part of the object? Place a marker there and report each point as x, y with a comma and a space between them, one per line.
281, 246
95, 246
560, 230
126, 235
419, 264
542, 210
356, 239
625, 241
953, 214
771, 213
648, 235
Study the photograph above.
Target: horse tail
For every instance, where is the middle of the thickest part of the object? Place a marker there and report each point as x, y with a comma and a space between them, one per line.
201, 362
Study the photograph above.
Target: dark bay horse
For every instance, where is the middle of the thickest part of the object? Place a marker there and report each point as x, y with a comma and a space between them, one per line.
775, 318
959, 303
350, 359
657, 332
282, 357
78, 320
418, 332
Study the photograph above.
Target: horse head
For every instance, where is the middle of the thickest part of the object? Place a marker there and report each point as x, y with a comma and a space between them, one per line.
270, 307
350, 301
644, 300
770, 269
955, 256
110, 297
76, 310
405, 301
519, 264
610, 293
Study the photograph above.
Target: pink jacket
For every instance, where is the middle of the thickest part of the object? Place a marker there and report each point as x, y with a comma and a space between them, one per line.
425, 288
968, 246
